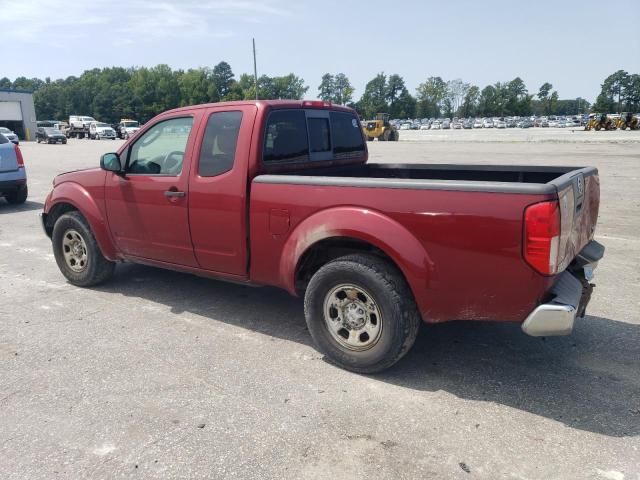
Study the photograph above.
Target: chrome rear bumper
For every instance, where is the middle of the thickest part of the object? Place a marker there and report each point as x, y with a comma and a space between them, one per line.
570, 297
556, 317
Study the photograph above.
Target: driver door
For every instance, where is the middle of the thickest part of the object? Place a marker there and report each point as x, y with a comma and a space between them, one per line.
147, 207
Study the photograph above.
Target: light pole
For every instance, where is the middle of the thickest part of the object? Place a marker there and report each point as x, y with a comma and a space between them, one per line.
255, 67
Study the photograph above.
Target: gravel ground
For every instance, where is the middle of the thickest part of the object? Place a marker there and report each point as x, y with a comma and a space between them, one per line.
158, 374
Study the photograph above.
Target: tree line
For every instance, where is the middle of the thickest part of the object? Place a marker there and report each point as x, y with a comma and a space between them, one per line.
141, 93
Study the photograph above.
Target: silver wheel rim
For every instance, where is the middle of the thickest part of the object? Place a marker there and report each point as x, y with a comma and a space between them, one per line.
74, 250
353, 317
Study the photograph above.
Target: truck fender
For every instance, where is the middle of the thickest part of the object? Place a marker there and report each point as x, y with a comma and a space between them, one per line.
366, 225
77, 196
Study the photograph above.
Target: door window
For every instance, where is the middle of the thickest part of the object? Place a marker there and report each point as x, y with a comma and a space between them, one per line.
160, 150
219, 144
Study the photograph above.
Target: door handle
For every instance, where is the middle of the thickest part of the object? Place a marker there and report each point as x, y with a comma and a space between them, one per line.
173, 193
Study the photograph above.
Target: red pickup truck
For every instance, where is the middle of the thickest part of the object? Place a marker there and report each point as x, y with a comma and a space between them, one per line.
281, 193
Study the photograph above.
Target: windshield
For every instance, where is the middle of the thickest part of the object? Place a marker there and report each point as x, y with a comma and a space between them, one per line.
129, 124
102, 125
87, 119
51, 130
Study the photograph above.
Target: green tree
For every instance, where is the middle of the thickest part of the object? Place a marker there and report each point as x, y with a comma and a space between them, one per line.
401, 103
456, 91
336, 89
487, 104
613, 91
327, 88
430, 97
518, 101
374, 97
470, 102
546, 99
343, 91
223, 80
197, 86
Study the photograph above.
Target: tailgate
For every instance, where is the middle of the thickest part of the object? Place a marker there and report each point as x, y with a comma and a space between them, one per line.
8, 159
579, 197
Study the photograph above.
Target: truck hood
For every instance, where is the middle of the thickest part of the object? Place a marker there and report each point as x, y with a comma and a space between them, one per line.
79, 176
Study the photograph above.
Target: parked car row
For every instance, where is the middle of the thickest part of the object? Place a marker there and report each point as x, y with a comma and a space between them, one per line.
53, 131
490, 122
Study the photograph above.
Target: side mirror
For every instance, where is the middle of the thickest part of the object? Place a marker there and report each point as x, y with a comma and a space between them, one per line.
111, 162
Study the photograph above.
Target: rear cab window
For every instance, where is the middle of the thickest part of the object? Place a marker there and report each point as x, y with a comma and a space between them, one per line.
307, 135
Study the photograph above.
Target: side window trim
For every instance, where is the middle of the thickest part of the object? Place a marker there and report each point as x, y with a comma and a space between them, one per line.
139, 137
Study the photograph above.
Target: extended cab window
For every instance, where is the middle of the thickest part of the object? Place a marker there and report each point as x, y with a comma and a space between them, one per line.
286, 137
219, 143
348, 141
160, 150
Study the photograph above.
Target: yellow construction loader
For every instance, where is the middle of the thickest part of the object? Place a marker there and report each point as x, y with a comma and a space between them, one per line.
600, 122
627, 120
381, 129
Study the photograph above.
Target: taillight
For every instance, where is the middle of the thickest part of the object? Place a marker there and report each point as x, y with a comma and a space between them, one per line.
19, 156
542, 236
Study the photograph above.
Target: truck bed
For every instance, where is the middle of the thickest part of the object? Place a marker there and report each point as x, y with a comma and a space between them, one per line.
492, 178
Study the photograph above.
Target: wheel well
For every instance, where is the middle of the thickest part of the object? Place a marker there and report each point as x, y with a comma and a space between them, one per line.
56, 212
324, 251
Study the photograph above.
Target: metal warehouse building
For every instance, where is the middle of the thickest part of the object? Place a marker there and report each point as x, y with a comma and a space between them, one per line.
18, 113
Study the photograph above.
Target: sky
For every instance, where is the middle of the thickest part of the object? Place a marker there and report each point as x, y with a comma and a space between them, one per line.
574, 45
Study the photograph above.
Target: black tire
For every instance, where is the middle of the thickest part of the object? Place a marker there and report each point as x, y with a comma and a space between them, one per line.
19, 196
400, 319
98, 269
369, 139
64, 142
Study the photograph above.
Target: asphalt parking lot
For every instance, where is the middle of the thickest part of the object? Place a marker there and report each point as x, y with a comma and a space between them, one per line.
159, 374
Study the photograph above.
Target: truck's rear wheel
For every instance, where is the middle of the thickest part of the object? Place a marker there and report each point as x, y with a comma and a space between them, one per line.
77, 253
361, 313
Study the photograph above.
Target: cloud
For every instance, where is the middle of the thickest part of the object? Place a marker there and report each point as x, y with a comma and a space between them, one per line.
134, 21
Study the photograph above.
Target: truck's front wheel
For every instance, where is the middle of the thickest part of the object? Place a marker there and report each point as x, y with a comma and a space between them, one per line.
361, 313
77, 253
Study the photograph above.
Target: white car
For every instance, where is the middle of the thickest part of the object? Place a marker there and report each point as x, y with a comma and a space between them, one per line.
553, 123
405, 126
424, 126
77, 121
477, 124
487, 123
499, 124
128, 128
98, 130
10, 135
436, 126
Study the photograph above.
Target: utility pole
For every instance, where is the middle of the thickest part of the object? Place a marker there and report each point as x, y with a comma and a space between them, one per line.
255, 67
